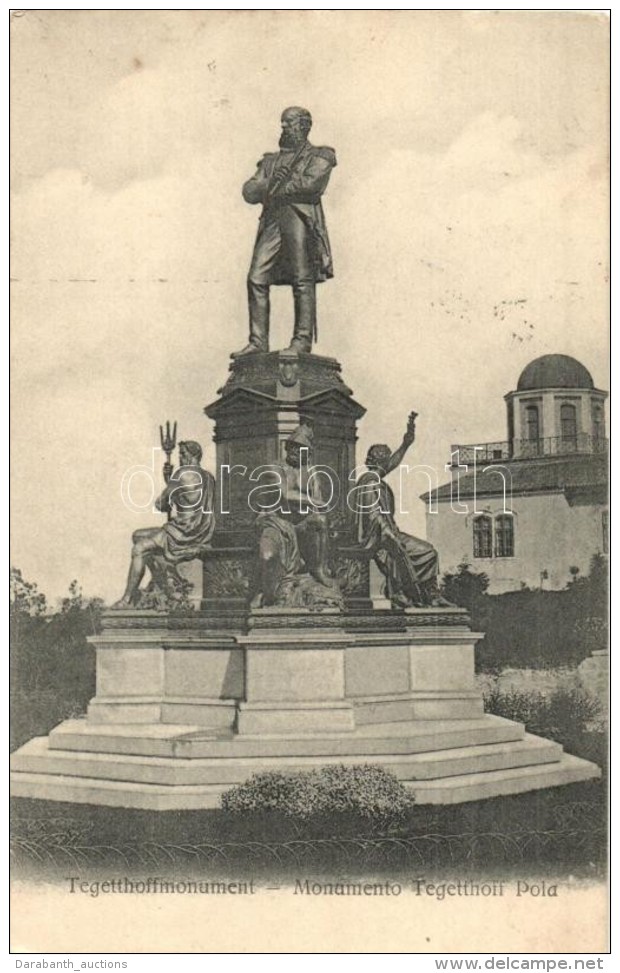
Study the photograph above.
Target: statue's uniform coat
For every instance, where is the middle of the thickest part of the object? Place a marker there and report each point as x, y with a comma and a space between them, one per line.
292, 242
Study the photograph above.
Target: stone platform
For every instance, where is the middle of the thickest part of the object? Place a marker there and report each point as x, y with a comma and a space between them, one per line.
186, 708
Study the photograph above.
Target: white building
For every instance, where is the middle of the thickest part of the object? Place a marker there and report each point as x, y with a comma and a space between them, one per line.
529, 509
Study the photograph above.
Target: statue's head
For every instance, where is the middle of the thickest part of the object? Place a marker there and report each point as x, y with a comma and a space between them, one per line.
190, 452
296, 123
302, 438
378, 457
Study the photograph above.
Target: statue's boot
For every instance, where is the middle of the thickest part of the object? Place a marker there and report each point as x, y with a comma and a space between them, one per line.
304, 301
250, 349
258, 306
303, 345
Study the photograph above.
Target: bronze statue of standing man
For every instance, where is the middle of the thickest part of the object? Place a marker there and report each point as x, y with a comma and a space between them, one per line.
292, 246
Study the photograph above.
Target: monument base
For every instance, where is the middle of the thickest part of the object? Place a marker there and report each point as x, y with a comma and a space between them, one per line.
470, 772
184, 711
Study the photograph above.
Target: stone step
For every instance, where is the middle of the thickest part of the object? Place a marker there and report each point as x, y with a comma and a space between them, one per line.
498, 783
36, 757
192, 742
162, 797
114, 793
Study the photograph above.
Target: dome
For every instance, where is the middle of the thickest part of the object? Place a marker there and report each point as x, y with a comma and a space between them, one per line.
554, 372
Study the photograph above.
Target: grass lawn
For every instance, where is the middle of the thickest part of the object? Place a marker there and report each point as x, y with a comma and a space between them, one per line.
557, 831
560, 831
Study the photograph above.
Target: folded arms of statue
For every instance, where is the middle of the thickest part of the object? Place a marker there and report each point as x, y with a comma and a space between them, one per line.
304, 183
307, 183
255, 189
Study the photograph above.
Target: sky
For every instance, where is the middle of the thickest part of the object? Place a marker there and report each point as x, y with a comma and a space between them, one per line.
468, 217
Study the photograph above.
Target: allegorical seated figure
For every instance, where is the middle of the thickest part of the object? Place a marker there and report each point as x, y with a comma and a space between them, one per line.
189, 493
410, 565
293, 540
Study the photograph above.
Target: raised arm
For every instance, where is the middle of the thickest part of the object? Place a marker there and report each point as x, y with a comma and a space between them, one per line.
397, 457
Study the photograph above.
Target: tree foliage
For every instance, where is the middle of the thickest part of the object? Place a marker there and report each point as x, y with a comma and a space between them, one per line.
465, 587
535, 627
24, 596
52, 665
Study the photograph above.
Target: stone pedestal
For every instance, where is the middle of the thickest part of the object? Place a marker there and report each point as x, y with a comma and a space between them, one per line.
423, 674
185, 709
264, 400
190, 703
148, 673
295, 688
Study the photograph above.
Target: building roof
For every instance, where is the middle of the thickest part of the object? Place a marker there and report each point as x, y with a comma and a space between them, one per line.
554, 372
583, 476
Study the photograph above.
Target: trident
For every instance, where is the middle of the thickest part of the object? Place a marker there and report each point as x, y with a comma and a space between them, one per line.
168, 443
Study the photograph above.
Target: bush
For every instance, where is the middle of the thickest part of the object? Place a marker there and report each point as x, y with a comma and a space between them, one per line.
52, 665
365, 790
291, 794
565, 716
465, 587
534, 628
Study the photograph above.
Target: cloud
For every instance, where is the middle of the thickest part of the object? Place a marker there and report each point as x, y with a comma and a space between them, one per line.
471, 175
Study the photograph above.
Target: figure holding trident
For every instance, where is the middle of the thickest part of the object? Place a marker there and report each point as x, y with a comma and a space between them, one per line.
168, 441
190, 493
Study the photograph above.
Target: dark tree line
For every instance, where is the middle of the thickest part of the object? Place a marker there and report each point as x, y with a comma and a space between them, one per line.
531, 626
52, 666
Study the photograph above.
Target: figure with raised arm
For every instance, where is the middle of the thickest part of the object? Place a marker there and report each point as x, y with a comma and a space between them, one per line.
409, 564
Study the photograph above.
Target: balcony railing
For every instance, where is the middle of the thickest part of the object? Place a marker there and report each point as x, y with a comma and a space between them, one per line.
488, 453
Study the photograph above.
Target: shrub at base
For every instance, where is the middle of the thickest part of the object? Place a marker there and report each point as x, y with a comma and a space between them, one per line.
365, 790
573, 718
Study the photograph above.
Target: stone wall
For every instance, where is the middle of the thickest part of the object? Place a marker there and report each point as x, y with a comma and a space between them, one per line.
549, 535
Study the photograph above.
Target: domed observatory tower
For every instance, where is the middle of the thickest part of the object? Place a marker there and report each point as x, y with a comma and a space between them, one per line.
555, 410
533, 507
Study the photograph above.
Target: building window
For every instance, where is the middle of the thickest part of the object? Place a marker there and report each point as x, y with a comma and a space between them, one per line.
605, 525
531, 423
494, 537
598, 423
532, 429
483, 536
504, 536
568, 426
